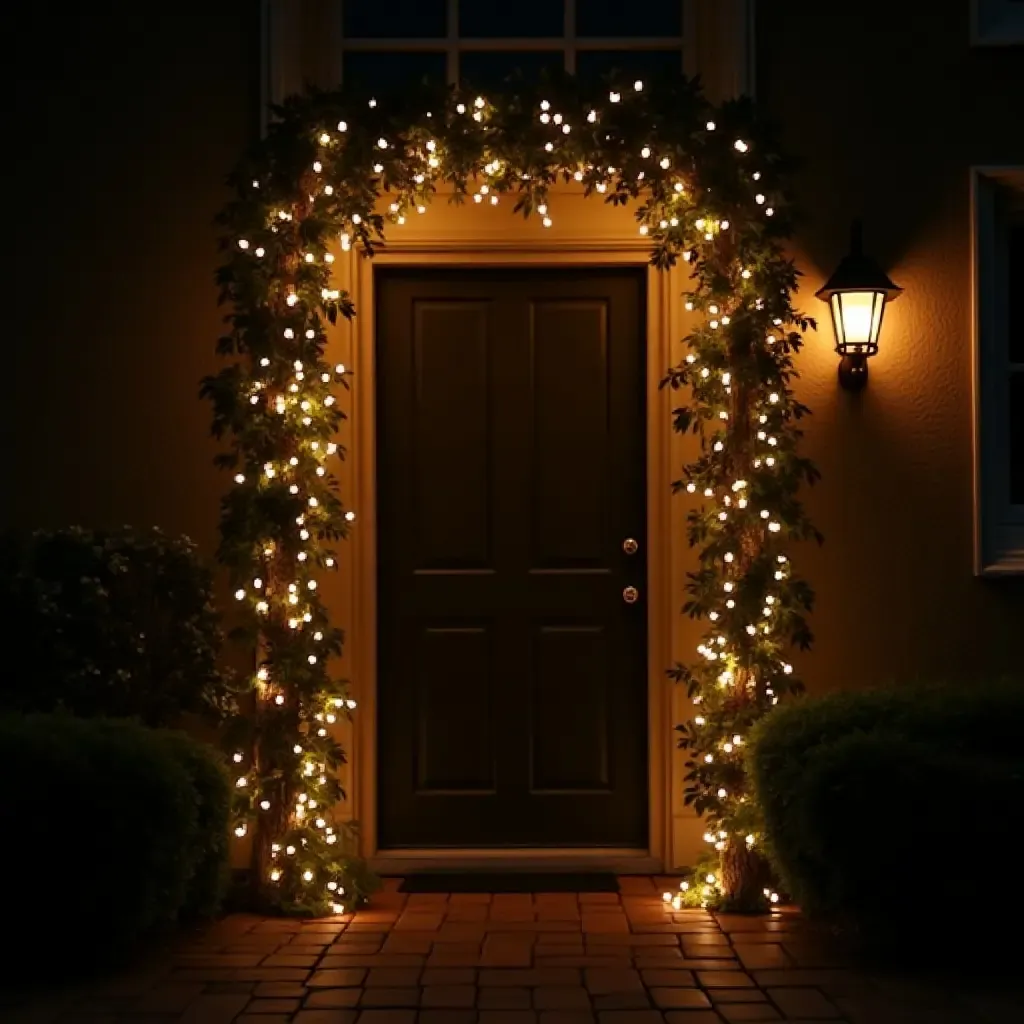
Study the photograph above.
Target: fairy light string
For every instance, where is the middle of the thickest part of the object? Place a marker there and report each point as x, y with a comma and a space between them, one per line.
336, 173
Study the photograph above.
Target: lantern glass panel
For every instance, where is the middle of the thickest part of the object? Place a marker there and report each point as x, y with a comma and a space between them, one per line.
857, 319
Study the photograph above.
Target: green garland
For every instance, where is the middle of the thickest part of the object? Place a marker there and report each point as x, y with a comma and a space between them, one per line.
706, 187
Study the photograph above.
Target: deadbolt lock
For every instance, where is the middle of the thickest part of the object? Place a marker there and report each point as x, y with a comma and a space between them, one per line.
630, 546
630, 595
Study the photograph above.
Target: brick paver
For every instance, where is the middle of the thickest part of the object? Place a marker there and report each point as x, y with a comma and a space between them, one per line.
555, 958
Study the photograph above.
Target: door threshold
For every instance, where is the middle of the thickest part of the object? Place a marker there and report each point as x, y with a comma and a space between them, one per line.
620, 862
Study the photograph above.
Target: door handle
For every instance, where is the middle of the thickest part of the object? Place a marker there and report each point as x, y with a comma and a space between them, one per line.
630, 595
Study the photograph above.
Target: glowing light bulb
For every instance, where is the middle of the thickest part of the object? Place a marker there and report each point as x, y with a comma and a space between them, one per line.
614, 97
239, 594
710, 126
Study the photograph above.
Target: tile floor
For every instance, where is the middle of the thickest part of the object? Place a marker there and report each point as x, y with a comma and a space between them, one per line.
563, 958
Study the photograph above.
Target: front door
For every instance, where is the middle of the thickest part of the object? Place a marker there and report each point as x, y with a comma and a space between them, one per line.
512, 702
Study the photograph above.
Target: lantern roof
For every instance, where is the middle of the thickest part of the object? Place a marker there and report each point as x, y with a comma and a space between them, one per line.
858, 273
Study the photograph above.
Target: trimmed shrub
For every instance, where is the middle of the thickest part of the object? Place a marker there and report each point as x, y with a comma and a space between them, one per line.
871, 801
114, 831
119, 624
212, 791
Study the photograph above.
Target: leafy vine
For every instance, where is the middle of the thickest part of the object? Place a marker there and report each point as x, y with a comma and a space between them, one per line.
706, 187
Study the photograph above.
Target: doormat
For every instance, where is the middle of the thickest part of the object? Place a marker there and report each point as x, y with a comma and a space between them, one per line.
554, 881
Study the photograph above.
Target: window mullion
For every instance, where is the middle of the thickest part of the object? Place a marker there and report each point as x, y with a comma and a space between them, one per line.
452, 49
569, 30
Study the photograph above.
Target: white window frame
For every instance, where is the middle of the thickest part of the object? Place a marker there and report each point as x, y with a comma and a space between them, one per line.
303, 44
998, 524
997, 23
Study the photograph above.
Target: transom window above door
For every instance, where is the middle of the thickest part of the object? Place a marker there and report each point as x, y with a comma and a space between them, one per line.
387, 47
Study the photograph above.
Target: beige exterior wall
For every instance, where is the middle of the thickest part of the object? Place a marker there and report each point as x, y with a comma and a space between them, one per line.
116, 320
888, 106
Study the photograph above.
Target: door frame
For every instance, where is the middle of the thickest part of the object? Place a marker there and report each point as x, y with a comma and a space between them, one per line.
456, 253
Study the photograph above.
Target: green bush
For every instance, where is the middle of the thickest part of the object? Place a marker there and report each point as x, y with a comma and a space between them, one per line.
879, 805
212, 792
115, 831
118, 624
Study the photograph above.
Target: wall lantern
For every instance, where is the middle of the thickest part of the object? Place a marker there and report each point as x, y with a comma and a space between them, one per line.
856, 294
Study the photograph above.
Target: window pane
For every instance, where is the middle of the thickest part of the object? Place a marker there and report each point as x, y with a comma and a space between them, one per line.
526, 19
385, 73
611, 18
1017, 438
395, 19
648, 65
1015, 292
490, 69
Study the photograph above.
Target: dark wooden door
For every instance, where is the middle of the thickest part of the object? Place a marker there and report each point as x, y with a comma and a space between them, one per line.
512, 700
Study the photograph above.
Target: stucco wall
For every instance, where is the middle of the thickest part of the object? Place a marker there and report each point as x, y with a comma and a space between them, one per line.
888, 107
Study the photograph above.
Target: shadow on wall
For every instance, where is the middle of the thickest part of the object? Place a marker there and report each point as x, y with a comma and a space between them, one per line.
887, 107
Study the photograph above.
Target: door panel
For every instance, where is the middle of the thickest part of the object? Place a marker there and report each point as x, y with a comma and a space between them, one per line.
449, 664
570, 683
450, 435
512, 676
569, 388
